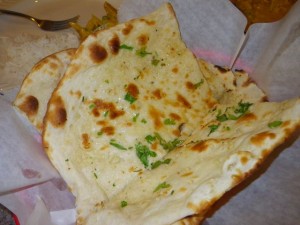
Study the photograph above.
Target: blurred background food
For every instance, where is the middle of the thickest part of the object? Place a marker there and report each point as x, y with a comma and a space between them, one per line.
263, 11
95, 23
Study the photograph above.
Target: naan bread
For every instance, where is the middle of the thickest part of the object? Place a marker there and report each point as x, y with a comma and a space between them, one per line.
140, 138
39, 84
204, 168
109, 90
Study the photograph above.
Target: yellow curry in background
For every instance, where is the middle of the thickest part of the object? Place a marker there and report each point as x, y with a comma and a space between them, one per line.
263, 11
256, 11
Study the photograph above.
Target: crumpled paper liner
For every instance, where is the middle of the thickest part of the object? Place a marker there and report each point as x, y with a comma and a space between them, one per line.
213, 30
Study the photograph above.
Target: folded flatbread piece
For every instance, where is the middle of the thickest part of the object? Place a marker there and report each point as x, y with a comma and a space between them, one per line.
39, 84
139, 137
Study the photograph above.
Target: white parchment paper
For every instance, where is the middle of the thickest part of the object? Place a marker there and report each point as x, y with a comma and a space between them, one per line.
23, 161
213, 31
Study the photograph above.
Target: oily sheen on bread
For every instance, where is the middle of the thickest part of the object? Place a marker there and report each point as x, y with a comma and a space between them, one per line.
136, 132
39, 84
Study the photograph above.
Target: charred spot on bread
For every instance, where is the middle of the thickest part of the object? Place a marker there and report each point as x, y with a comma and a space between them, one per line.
114, 44
30, 106
222, 69
183, 101
57, 112
126, 30
143, 39
97, 53
260, 138
133, 90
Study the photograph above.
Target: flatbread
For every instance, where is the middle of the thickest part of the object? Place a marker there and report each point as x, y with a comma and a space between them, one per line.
140, 138
39, 84
204, 168
171, 95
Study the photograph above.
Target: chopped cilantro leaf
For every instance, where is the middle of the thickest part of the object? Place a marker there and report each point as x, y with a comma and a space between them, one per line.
155, 62
99, 133
105, 114
149, 138
226, 128
222, 117
168, 145
159, 162
127, 47
274, 124
91, 106
116, 145
123, 204
142, 52
213, 128
135, 117
144, 121
95, 175
143, 153
83, 98
67, 160
169, 122
161, 186
129, 98
243, 108
198, 84
233, 117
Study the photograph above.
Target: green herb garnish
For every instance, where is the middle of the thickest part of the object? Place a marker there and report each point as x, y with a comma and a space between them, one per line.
169, 122
161, 186
222, 117
159, 162
105, 114
129, 98
95, 175
198, 84
91, 106
116, 145
127, 47
143, 153
274, 124
144, 121
99, 133
233, 117
83, 99
142, 52
155, 62
243, 108
134, 119
150, 139
123, 204
213, 128
168, 145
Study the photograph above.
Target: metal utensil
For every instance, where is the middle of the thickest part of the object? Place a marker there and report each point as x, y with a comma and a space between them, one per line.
48, 25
